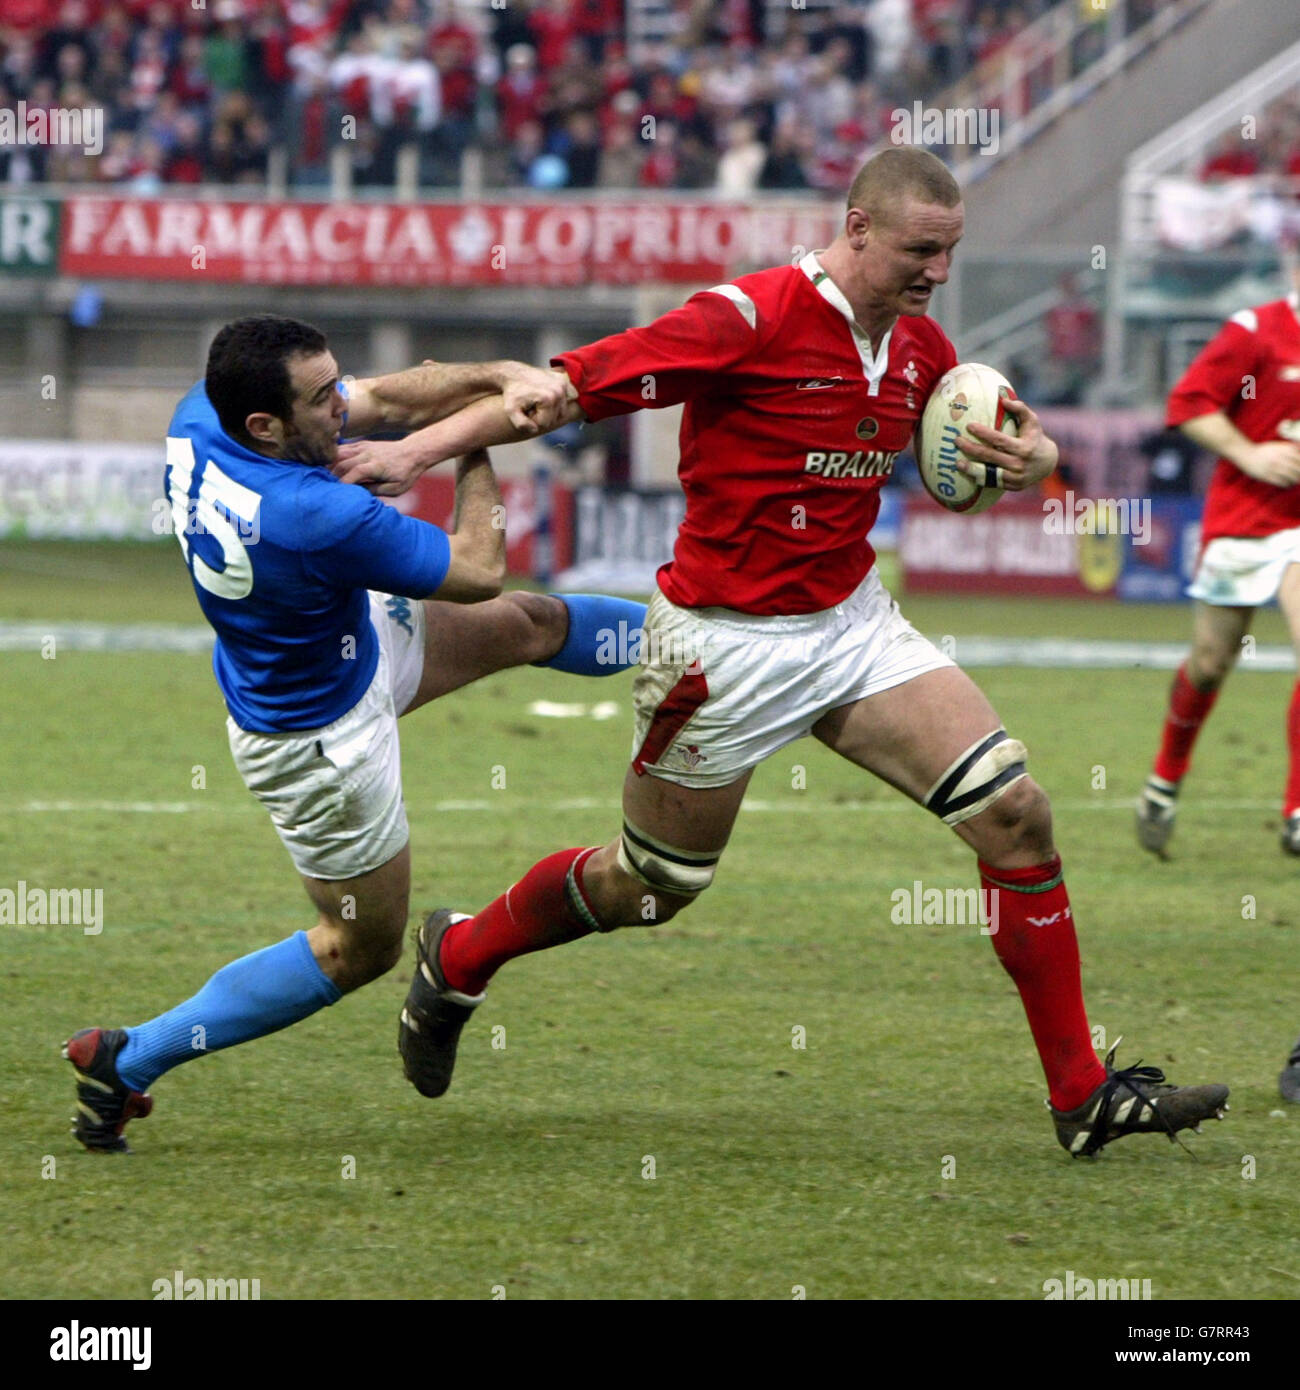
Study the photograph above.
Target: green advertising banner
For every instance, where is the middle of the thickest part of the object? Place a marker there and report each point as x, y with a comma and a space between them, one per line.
29, 236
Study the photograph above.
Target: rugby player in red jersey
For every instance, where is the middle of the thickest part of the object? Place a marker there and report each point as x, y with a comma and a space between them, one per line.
1240, 398
802, 384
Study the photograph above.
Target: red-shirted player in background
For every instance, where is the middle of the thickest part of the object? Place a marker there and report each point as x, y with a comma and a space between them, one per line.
802, 384
1240, 399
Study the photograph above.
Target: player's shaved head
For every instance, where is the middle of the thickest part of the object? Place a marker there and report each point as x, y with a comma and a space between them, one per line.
884, 183
248, 368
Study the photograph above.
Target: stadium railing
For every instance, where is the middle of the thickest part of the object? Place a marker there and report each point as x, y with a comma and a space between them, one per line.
1168, 299
1180, 149
1053, 64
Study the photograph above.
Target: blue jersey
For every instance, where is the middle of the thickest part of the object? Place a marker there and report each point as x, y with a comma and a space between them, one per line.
281, 554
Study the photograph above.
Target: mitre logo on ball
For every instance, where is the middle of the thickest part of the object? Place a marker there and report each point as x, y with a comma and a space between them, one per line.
969, 392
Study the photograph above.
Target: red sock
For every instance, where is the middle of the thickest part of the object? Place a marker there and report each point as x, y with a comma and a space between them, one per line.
1035, 942
1188, 710
1292, 803
547, 907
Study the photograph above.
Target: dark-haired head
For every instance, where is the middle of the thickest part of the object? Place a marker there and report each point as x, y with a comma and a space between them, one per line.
274, 370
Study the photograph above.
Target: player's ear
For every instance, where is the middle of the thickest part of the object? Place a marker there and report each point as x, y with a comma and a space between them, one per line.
265, 428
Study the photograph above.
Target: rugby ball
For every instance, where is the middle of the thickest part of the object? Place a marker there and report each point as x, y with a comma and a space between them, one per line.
970, 391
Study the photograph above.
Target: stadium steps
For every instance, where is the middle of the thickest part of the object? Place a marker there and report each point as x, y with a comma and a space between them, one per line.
1063, 189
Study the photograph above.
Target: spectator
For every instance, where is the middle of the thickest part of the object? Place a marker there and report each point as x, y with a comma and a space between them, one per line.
520, 91
447, 75
526, 146
1230, 158
728, 85
784, 167
185, 160
148, 75
696, 165
309, 124
146, 176
1073, 344
20, 65
890, 24
553, 30
741, 162
189, 79
405, 92
29, 17
112, 35
622, 156
160, 125
659, 168
580, 148
398, 29
596, 22
118, 157
224, 53
71, 32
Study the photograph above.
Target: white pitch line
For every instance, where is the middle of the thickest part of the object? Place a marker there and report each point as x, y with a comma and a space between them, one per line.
105, 637
974, 652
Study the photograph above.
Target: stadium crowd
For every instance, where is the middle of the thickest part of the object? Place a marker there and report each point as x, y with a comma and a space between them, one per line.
201, 91
1270, 146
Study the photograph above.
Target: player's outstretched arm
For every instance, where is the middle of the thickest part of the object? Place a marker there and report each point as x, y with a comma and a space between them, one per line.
389, 468
1275, 461
478, 535
417, 397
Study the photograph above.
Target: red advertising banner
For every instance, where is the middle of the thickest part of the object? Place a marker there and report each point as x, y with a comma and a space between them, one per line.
433, 498
534, 244
1013, 548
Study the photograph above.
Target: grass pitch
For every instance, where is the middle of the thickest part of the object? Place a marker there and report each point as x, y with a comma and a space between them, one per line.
631, 1117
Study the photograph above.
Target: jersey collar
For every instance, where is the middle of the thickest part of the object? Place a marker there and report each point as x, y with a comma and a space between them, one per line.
874, 365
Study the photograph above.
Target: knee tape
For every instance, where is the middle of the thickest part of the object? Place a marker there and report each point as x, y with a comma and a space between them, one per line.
684, 873
975, 780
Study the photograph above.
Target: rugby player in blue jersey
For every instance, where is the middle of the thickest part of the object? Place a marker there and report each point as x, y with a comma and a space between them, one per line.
334, 615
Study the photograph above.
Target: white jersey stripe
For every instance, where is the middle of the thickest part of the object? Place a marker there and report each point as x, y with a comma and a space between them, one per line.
741, 300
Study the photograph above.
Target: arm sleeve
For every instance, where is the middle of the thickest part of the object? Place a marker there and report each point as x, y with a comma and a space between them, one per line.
1214, 380
947, 355
944, 356
670, 360
351, 540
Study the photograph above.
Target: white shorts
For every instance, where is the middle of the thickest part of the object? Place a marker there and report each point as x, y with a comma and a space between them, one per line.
718, 691
1239, 572
335, 794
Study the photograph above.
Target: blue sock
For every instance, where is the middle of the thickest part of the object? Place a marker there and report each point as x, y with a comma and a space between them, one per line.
250, 997
604, 635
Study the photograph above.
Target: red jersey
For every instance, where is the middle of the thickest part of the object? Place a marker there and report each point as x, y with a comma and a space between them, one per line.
791, 428
1250, 372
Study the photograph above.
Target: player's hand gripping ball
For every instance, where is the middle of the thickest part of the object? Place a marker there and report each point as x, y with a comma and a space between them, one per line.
969, 392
